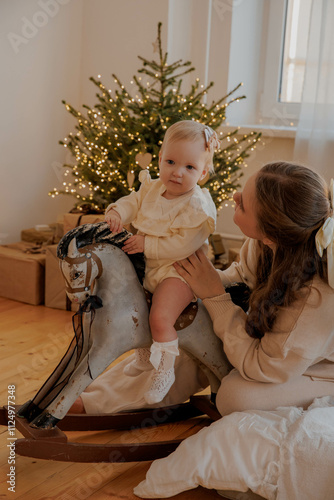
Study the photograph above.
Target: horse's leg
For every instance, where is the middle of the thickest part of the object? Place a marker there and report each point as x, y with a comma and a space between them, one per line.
80, 379
58, 378
214, 382
200, 343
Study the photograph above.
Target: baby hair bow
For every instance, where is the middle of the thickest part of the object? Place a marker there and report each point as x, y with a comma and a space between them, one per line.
211, 139
324, 239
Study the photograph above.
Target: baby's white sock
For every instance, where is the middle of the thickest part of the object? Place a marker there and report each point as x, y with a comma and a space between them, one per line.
162, 358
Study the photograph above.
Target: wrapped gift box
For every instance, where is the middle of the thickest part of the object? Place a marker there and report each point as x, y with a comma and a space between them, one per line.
47, 236
233, 255
216, 242
55, 294
22, 271
70, 221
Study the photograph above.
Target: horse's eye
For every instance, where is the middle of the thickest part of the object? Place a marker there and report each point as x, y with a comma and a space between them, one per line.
77, 275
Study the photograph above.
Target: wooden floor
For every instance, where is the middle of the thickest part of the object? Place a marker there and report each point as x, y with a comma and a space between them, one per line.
32, 341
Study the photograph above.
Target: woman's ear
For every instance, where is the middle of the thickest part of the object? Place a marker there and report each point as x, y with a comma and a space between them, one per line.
268, 242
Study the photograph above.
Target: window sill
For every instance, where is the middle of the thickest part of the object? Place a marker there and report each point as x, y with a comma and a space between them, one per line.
266, 130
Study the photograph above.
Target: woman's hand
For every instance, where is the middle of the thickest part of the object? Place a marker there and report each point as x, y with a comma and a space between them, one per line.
114, 221
135, 244
200, 275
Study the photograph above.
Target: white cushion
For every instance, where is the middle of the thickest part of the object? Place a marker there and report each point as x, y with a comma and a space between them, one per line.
239, 452
286, 453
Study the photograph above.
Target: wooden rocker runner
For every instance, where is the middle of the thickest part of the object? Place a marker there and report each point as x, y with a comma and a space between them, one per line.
53, 444
112, 320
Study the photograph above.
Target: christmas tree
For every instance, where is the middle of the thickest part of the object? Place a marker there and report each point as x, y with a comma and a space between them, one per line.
123, 133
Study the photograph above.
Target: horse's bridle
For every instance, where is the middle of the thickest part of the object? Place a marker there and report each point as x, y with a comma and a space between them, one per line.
87, 257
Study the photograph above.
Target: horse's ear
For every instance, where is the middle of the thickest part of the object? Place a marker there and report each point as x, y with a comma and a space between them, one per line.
72, 249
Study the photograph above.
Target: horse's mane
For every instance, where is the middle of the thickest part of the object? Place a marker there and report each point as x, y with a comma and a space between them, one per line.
99, 232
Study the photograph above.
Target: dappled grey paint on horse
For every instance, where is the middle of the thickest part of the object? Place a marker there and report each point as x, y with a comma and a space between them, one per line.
114, 280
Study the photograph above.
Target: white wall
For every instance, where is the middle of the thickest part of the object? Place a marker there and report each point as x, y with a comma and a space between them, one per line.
115, 32
269, 149
48, 51
246, 55
40, 60
194, 28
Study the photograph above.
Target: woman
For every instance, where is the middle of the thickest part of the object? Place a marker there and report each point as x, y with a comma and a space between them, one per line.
283, 349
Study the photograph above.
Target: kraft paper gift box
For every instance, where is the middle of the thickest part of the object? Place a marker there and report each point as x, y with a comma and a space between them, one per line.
22, 273
233, 255
70, 221
55, 294
45, 236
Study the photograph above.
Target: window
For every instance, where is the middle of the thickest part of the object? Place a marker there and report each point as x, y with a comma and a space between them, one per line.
297, 19
287, 38
262, 43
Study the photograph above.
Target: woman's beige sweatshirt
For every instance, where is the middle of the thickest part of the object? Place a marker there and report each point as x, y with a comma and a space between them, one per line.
302, 340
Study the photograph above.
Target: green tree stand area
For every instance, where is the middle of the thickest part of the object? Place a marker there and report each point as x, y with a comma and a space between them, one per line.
123, 132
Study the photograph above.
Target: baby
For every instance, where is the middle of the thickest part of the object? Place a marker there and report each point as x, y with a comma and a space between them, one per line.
173, 217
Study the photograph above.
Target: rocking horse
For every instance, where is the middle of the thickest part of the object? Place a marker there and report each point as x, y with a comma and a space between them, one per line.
112, 320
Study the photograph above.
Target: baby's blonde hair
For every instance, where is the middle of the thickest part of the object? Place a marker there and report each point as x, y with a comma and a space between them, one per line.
191, 130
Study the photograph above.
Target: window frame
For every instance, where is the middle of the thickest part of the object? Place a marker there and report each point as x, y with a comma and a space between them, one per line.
284, 113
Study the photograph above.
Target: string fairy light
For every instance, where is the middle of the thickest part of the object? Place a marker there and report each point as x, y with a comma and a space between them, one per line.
126, 123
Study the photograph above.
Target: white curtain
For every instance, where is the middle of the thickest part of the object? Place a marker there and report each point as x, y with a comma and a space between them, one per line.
315, 133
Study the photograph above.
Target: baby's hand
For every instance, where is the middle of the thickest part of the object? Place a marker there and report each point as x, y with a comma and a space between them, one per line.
114, 221
135, 244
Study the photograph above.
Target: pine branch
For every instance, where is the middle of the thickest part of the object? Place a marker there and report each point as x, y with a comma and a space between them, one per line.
122, 124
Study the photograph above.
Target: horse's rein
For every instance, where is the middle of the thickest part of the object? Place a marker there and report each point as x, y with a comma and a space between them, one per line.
87, 257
